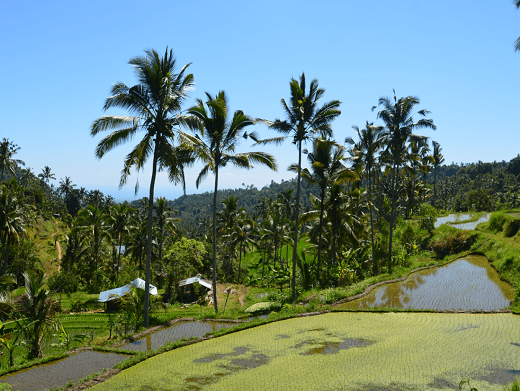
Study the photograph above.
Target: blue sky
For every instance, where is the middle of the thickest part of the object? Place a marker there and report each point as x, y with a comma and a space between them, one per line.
60, 58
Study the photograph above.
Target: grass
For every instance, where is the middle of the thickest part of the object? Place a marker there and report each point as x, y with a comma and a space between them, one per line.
341, 351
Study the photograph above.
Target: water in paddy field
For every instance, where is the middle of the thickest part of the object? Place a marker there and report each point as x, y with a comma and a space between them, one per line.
175, 333
467, 284
58, 373
455, 220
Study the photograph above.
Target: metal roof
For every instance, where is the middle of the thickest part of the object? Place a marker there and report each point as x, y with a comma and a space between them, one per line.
113, 294
198, 279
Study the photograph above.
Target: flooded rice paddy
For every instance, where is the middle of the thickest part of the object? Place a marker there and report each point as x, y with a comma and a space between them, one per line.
342, 351
466, 284
174, 333
58, 373
456, 220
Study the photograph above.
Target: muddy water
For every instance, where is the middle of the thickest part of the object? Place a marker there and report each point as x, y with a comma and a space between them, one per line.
455, 220
175, 333
467, 284
58, 373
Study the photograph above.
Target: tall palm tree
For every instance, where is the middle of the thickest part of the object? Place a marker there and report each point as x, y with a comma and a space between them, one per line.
7, 150
92, 223
155, 104
36, 307
215, 143
365, 152
326, 161
46, 175
304, 121
397, 116
14, 217
227, 220
417, 160
438, 159
163, 218
119, 222
66, 186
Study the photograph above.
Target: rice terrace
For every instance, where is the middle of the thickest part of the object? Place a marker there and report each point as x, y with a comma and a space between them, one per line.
243, 233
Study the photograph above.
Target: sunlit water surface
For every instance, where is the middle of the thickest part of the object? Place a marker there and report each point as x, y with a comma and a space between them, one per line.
467, 284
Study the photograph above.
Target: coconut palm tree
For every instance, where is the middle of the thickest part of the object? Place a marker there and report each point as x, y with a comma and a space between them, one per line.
163, 218
119, 223
227, 220
438, 159
14, 217
7, 150
36, 308
215, 142
365, 153
66, 186
46, 175
326, 161
154, 104
304, 121
398, 117
92, 224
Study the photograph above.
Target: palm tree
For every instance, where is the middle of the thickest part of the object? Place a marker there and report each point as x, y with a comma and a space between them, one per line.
215, 143
14, 216
438, 159
66, 186
163, 218
46, 175
327, 168
36, 307
92, 223
155, 103
119, 222
244, 237
227, 220
7, 150
304, 121
417, 160
399, 124
365, 153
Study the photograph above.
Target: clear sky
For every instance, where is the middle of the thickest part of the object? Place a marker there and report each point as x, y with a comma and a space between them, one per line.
60, 58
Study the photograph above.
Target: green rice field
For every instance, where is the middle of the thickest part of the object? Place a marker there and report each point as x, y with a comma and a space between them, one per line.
342, 351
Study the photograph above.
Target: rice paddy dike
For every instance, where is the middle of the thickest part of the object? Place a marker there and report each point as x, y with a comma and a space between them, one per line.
341, 350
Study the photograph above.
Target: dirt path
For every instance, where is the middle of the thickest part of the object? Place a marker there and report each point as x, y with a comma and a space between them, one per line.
58, 247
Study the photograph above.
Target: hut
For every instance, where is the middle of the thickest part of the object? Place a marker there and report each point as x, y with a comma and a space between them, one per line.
193, 288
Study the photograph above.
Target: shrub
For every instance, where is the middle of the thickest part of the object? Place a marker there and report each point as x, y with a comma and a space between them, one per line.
496, 222
279, 297
63, 283
450, 240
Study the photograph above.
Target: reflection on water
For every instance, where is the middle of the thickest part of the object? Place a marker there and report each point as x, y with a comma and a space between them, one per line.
467, 284
455, 219
58, 373
175, 333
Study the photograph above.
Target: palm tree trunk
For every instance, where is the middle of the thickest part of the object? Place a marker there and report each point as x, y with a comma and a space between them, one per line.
392, 218
435, 186
214, 229
149, 240
320, 237
119, 255
296, 220
239, 261
374, 264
